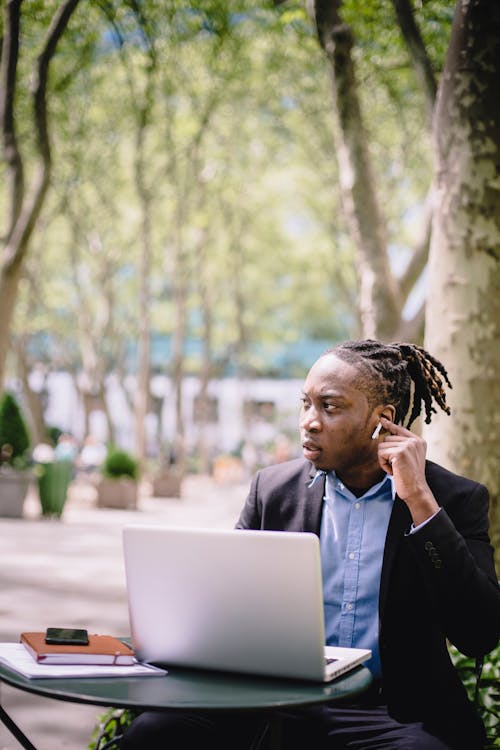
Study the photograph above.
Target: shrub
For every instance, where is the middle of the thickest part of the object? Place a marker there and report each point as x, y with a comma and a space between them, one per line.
14, 433
110, 727
488, 693
119, 463
54, 434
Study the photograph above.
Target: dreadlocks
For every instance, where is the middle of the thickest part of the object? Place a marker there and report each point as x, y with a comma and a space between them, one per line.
387, 373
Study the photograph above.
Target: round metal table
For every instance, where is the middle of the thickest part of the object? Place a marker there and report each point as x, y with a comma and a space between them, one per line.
187, 689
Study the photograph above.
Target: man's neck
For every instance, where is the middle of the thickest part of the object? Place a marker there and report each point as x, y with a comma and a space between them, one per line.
357, 491
361, 484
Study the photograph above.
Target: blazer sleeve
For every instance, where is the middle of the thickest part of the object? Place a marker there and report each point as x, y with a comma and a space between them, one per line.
279, 499
251, 513
455, 558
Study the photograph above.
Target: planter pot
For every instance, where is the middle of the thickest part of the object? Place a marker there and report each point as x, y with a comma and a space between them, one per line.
228, 469
167, 484
117, 493
14, 487
53, 483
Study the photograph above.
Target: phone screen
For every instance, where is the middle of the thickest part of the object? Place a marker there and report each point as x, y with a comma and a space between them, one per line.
67, 636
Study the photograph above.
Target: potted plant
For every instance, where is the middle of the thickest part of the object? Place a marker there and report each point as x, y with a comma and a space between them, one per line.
55, 470
167, 483
15, 464
118, 486
54, 477
168, 477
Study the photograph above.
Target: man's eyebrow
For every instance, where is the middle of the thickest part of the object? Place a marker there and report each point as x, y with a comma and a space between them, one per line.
332, 394
328, 394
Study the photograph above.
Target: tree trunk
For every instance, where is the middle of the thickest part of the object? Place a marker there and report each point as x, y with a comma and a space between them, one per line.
463, 306
206, 369
379, 301
33, 399
178, 337
145, 192
144, 346
91, 334
23, 210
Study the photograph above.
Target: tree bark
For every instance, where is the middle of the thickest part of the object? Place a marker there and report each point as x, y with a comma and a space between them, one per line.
463, 305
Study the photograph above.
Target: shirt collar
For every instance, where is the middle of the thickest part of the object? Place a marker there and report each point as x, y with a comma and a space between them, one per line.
371, 491
319, 473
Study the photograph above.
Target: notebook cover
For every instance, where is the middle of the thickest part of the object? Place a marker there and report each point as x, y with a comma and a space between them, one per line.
101, 649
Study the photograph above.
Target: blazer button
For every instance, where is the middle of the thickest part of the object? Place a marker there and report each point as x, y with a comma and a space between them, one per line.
428, 546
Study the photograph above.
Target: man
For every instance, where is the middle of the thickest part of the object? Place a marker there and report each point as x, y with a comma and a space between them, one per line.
406, 560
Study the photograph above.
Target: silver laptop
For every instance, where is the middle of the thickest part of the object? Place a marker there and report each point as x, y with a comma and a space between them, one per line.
232, 600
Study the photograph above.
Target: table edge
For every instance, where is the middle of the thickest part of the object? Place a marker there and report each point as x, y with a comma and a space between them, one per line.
19, 682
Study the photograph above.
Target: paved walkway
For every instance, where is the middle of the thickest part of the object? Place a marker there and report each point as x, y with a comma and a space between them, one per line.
69, 573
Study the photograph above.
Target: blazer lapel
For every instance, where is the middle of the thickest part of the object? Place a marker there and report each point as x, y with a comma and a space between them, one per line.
313, 503
399, 522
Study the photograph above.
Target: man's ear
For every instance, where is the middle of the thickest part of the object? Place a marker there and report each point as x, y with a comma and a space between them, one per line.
389, 412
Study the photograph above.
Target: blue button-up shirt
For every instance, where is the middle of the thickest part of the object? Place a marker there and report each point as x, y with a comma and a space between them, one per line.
352, 539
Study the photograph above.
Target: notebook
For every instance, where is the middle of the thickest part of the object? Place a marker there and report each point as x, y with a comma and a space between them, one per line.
233, 600
101, 649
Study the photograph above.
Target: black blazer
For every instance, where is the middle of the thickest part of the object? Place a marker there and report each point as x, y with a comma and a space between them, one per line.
435, 585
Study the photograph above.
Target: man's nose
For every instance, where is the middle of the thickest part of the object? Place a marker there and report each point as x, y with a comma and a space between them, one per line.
310, 420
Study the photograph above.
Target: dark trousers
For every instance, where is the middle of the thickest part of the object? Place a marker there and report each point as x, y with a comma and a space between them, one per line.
320, 727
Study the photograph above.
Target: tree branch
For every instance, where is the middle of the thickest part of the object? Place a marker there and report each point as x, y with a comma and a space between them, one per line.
56, 30
8, 69
26, 220
413, 330
420, 252
417, 51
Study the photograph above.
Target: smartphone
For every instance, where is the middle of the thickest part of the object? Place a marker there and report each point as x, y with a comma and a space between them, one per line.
67, 636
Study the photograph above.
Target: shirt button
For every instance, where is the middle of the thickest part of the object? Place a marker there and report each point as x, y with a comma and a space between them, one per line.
348, 606
341, 486
351, 555
357, 506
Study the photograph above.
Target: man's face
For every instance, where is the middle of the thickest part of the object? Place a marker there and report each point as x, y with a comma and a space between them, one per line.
336, 420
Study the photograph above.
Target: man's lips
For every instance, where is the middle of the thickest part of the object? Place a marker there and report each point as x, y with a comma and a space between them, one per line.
310, 449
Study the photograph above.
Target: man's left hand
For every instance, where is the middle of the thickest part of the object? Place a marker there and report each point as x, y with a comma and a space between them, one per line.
402, 454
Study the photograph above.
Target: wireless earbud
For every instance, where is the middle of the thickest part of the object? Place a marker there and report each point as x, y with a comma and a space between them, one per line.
376, 431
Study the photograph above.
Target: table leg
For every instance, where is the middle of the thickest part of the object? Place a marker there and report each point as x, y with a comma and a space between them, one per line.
14, 729
275, 732
270, 736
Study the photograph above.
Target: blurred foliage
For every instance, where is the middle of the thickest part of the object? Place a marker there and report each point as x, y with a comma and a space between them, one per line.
235, 181
109, 728
488, 693
119, 463
241, 175
54, 433
14, 435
